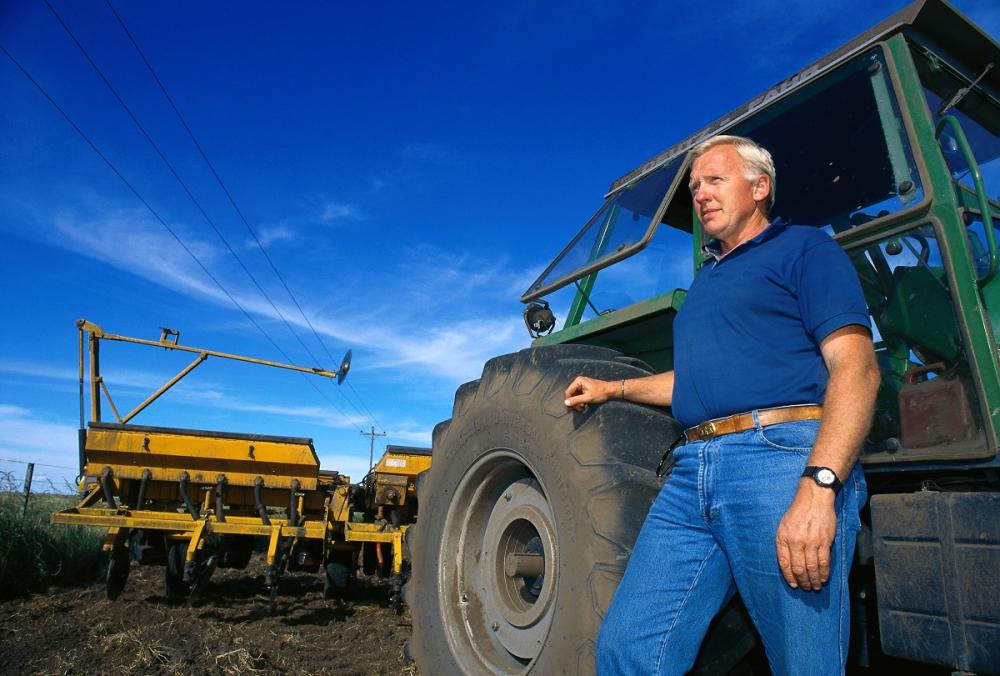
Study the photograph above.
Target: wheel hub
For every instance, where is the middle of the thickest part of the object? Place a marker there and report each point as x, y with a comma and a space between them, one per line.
502, 583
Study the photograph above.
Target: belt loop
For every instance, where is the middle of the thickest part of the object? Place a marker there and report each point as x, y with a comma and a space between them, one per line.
756, 420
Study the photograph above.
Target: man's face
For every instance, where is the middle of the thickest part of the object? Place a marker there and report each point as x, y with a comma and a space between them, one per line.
724, 198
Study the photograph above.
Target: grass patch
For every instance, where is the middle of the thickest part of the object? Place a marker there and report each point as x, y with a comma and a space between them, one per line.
35, 554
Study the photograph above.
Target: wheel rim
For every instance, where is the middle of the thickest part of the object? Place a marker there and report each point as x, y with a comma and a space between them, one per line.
499, 565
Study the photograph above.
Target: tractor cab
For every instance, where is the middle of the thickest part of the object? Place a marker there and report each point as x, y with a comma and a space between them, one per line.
889, 145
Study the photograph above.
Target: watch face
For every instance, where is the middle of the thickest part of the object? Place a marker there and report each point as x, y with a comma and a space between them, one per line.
826, 477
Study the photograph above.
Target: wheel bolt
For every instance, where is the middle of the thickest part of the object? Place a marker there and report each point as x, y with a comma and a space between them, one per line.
507, 496
495, 626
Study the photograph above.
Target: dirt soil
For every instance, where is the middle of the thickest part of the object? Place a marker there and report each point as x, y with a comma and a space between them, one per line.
228, 631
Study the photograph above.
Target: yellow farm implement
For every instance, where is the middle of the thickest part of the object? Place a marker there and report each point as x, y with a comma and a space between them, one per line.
193, 500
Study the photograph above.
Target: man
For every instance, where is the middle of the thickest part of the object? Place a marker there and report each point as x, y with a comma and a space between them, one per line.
763, 504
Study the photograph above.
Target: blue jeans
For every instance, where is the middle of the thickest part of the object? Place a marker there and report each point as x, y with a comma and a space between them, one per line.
710, 534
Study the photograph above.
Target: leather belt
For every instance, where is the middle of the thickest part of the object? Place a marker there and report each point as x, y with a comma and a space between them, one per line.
744, 421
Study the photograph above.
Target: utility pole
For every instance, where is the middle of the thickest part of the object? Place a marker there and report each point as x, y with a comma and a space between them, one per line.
371, 450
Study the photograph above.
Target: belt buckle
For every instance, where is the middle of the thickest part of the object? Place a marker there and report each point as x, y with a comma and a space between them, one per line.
706, 429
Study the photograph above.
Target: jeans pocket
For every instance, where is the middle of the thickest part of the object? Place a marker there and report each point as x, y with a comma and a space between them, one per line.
797, 437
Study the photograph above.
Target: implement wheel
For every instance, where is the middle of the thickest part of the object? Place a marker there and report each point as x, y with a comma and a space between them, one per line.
175, 588
338, 573
117, 573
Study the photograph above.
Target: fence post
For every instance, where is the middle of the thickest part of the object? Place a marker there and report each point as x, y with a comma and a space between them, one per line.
27, 487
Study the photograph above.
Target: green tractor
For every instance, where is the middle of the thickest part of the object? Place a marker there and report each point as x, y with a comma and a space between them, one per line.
529, 512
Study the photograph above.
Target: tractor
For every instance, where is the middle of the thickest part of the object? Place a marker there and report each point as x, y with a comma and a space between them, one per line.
530, 510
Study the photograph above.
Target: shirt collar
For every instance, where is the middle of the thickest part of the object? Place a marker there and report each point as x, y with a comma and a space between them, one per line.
714, 247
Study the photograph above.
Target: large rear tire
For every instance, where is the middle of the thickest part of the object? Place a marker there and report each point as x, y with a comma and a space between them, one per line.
528, 515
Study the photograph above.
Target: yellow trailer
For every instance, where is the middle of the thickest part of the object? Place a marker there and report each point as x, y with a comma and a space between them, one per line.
194, 500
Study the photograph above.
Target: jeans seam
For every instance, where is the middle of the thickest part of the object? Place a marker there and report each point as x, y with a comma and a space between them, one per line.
702, 506
845, 566
680, 607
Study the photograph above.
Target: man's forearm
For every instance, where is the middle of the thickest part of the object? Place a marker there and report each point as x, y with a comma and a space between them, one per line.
656, 389
847, 415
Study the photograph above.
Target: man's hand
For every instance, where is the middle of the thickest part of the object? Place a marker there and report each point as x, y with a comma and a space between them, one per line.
806, 532
805, 536
583, 391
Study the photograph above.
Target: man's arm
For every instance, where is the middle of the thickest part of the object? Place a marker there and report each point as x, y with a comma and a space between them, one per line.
656, 389
806, 532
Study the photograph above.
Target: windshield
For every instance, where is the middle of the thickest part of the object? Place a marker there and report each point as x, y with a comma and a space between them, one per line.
621, 226
978, 114
840, 149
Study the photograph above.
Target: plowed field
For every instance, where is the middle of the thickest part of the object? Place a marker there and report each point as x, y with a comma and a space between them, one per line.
228, 631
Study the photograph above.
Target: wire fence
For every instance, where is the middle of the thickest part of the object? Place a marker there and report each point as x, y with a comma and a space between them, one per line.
25, 479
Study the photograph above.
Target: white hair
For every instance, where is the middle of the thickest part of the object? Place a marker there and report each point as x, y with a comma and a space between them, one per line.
756, 159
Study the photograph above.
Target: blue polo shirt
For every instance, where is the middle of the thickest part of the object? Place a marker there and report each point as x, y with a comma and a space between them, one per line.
748, 334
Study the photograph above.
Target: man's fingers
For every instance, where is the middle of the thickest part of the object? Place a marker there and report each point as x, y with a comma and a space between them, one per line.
785, 564
824, 564
583, 391
798, 567
813, 575
575, 387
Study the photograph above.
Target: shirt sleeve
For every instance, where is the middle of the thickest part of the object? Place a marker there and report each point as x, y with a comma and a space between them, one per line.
829, 291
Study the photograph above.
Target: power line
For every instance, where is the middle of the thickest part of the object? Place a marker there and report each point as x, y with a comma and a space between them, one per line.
197, 204
174, 173
160, 219
372, 415
232, 201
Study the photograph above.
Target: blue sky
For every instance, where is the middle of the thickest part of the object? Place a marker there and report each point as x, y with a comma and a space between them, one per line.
409, 168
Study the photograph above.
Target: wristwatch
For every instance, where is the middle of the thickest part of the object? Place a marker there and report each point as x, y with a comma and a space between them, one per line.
823, 476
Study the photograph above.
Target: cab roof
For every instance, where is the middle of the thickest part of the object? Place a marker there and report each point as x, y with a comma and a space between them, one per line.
935, 22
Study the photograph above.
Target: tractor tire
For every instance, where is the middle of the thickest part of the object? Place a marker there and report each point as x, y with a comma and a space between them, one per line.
516, 472
174, 587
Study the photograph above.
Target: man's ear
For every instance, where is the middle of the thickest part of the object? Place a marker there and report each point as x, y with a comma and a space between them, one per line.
761, 188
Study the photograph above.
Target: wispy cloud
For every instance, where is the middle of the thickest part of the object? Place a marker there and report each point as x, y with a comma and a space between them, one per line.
114, 377
27, 436
424, 151
333, 212
411, 432
437, 309
269, 235
130, 240
319, 415
212, 393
